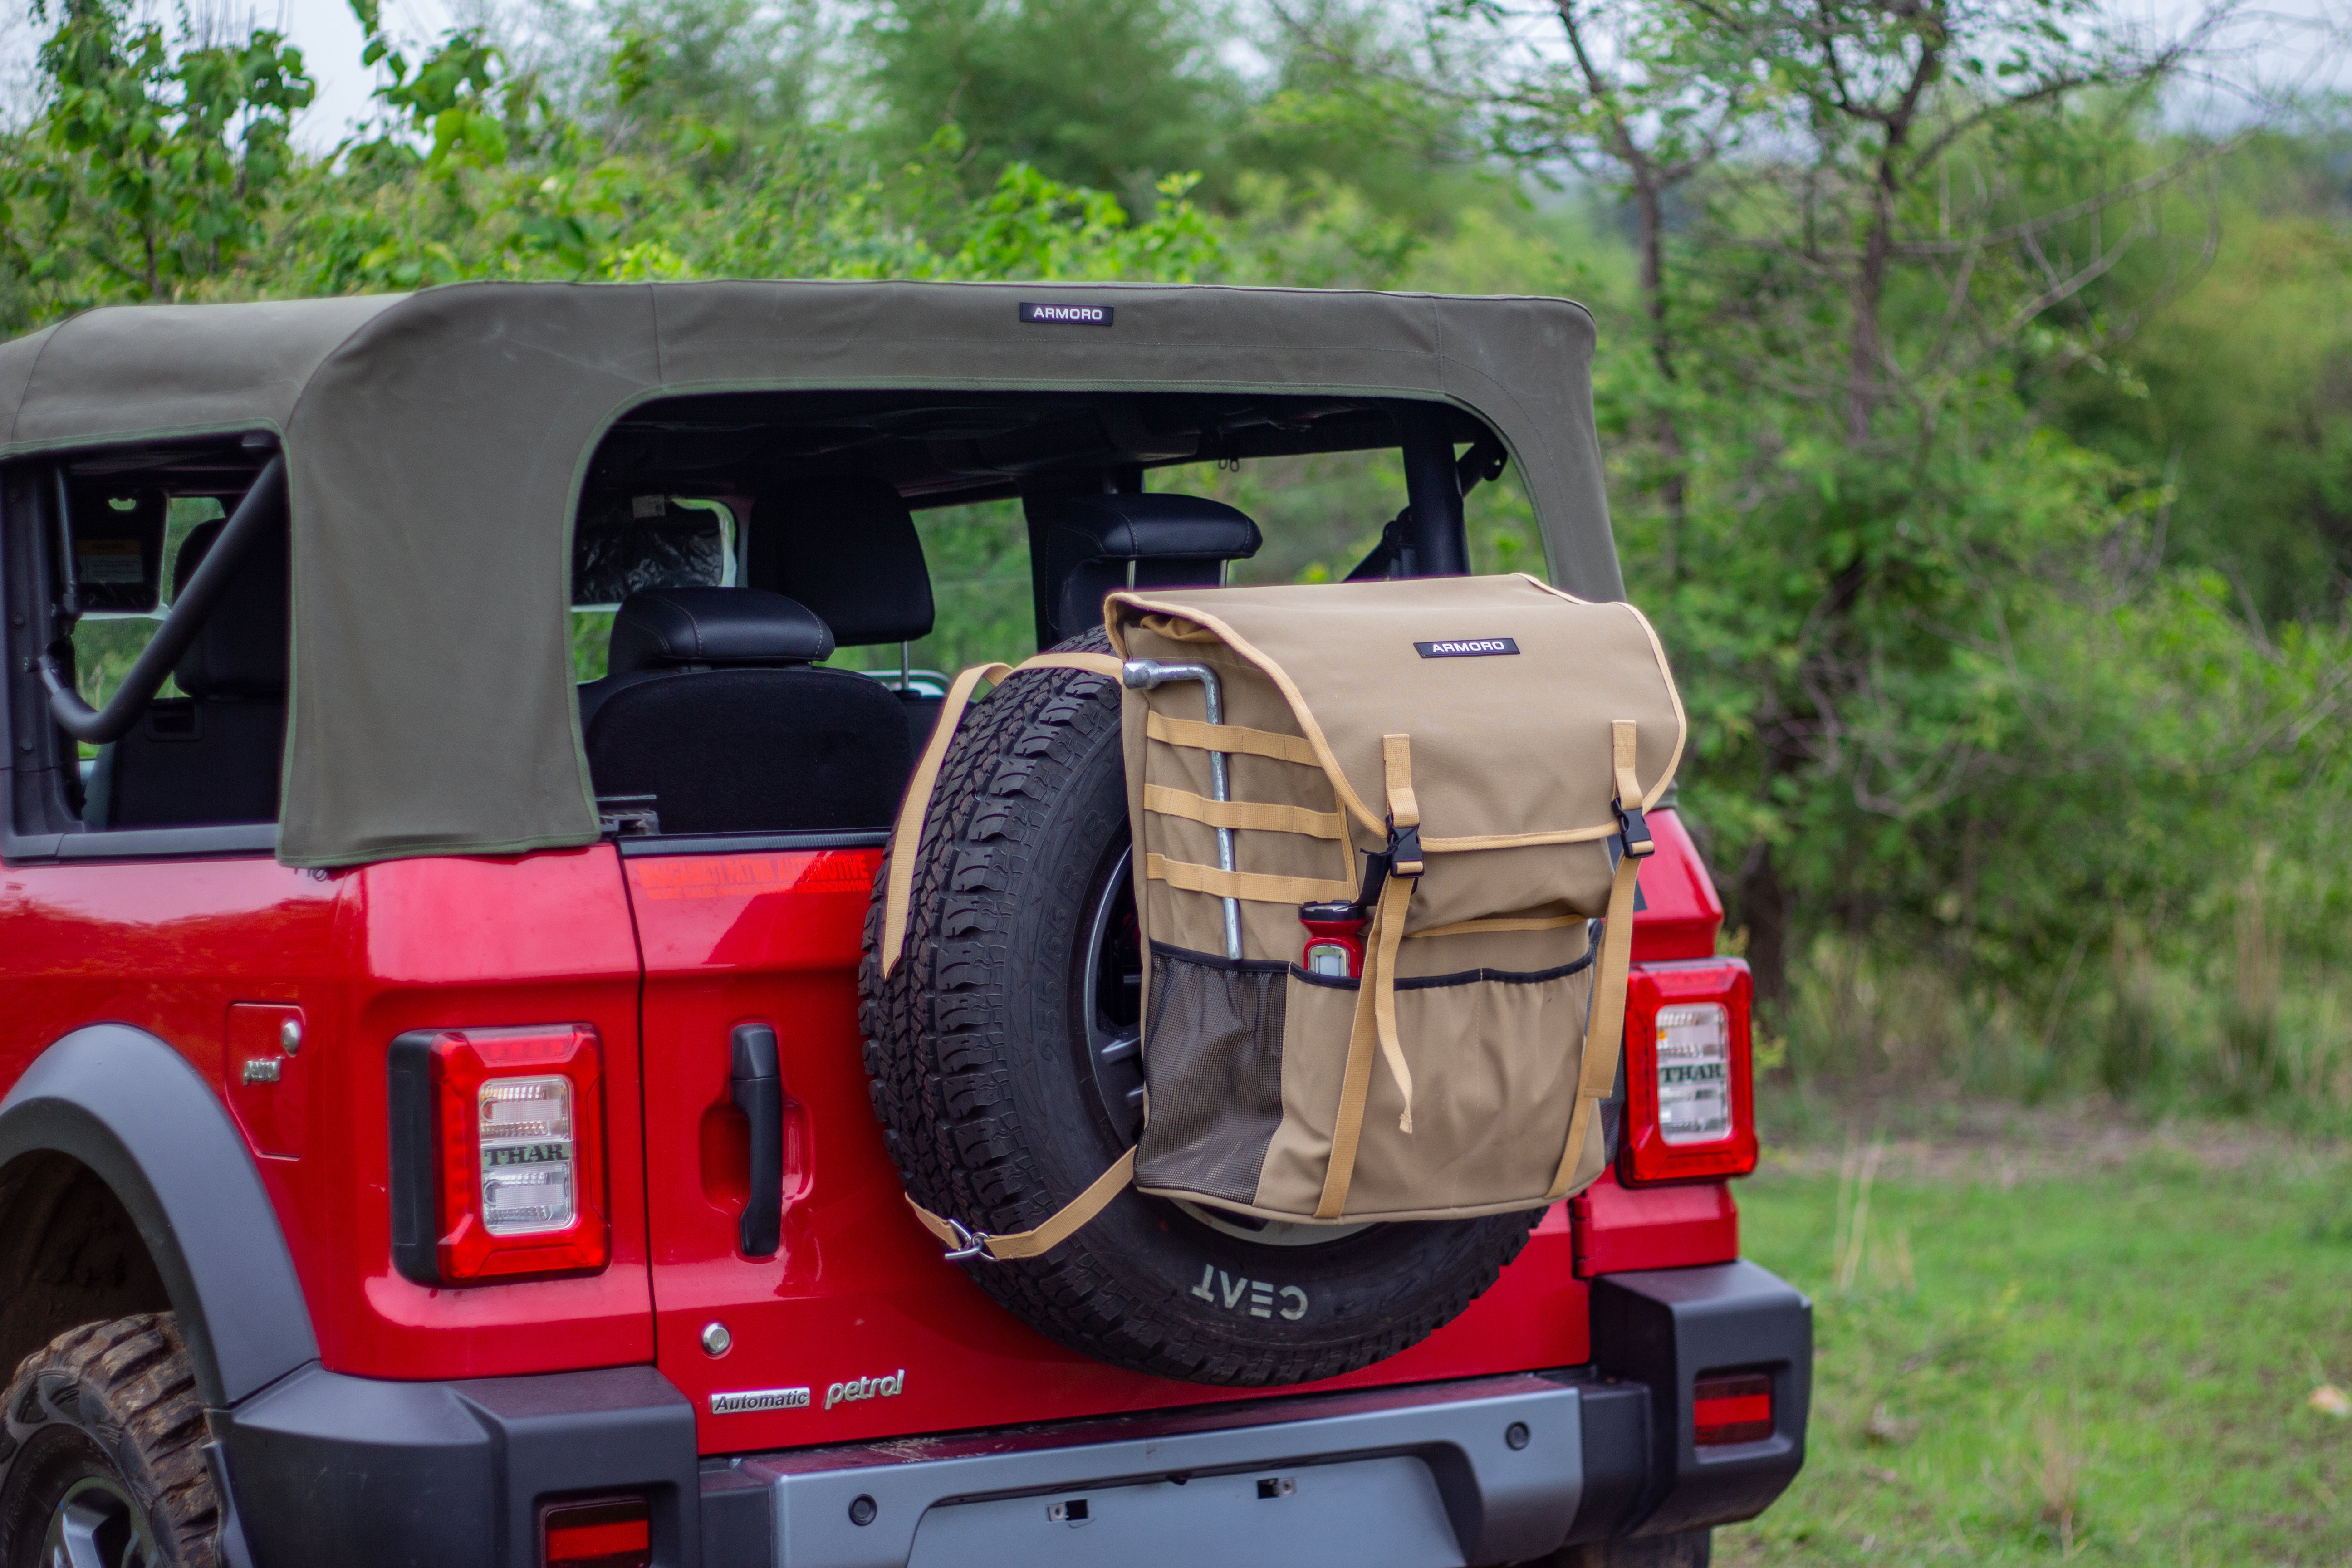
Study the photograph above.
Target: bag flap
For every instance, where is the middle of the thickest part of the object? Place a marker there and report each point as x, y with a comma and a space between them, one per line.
1508, 688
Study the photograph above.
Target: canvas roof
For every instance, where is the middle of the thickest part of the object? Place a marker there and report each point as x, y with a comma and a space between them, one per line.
436, 442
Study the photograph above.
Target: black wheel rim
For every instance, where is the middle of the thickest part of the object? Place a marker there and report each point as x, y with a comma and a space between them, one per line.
96, 1525
1112, 1005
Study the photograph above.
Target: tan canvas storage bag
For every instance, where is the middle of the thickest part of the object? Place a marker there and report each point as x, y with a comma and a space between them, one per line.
1368, 846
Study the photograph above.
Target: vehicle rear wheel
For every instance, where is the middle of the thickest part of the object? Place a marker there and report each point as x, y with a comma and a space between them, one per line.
102, 1453
1005, 1054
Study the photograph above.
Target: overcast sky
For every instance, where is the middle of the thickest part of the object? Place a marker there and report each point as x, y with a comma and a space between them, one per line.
2290, 42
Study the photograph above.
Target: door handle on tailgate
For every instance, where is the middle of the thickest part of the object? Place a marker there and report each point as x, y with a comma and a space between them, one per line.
759, 1093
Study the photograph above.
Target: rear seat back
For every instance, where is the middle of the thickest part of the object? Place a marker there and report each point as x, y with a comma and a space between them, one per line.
709, 708
847, 549
1099, 544
210, 757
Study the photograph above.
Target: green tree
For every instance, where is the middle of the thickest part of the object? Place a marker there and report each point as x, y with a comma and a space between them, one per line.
1111, 94
149, 168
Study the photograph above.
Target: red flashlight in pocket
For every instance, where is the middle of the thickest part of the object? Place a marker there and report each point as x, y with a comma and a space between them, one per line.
1335, 938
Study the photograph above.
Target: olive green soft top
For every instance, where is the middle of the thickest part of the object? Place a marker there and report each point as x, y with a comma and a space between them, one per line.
436, 442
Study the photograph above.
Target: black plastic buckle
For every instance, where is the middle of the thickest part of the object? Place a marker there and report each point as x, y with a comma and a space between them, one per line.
1633, 830
1403, 850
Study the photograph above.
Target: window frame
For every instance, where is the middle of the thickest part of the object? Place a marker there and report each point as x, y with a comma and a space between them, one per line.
38, 826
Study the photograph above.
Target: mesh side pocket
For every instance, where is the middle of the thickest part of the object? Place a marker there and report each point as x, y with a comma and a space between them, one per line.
1212, 1059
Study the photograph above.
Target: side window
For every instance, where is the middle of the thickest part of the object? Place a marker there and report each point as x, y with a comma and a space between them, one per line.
103, 549
1322, 513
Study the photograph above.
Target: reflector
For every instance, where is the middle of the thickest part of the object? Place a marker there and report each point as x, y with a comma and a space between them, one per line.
1735, 1408
610, 1532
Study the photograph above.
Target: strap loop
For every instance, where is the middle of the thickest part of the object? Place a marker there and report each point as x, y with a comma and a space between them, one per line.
1197, 736
963, 1242
1253, 887
1256, 815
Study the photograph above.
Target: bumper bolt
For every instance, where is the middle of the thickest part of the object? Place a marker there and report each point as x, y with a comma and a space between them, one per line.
716, 1339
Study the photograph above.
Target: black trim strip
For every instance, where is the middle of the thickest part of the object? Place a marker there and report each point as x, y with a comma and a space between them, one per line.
246, 838
1342, 983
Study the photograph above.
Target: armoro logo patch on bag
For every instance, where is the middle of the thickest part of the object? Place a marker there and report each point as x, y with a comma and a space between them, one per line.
1466, 647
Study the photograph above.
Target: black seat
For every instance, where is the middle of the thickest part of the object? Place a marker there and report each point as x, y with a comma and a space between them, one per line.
210, 757
1100, 543
709, 708
847, 549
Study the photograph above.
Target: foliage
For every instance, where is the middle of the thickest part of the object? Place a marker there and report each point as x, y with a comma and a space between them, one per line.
1113, 94
155, 161
1979, 439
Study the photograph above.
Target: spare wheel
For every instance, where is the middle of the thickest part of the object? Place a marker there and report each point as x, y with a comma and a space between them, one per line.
1003, 1051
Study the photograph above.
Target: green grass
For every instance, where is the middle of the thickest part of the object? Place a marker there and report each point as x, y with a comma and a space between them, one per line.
2102, 1351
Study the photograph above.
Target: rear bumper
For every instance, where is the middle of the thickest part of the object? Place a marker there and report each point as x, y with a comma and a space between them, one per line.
1483, 1470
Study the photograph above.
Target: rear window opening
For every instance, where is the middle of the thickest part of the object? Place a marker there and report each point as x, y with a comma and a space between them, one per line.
841, 556
771, 591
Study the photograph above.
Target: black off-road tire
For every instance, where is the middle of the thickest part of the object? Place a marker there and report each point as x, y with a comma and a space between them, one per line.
102, 1431
976, 1045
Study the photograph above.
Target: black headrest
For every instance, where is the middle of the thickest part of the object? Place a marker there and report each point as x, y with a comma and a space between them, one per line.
240, 650
658, 627
846, 548
1153, 528
1102, 542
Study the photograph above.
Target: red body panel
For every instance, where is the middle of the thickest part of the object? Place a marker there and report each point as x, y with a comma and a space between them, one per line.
1619, 1228
172, 946
858, 1288
1681, 913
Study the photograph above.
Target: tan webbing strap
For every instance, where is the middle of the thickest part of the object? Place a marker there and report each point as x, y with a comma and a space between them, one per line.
1603, 1040
1230, 738
907, 837
1374, 1032
1375, 1018
1405, 810
1629, 788
1257, 887
1063, 1224
1261, 815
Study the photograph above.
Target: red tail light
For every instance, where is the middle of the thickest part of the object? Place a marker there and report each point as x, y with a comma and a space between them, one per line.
1690, 1110
499, 1151
1734, 1408
611, 1532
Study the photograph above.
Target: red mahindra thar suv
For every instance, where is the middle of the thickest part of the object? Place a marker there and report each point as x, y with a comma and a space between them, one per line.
439, 1124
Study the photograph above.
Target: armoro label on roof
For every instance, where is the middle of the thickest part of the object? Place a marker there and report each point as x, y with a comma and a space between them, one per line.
1466, 647
1065, 315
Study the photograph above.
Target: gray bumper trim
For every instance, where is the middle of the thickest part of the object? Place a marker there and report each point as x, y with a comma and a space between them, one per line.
1503, 1503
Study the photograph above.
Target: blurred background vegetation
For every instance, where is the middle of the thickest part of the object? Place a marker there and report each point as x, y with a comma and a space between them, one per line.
1977, 379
